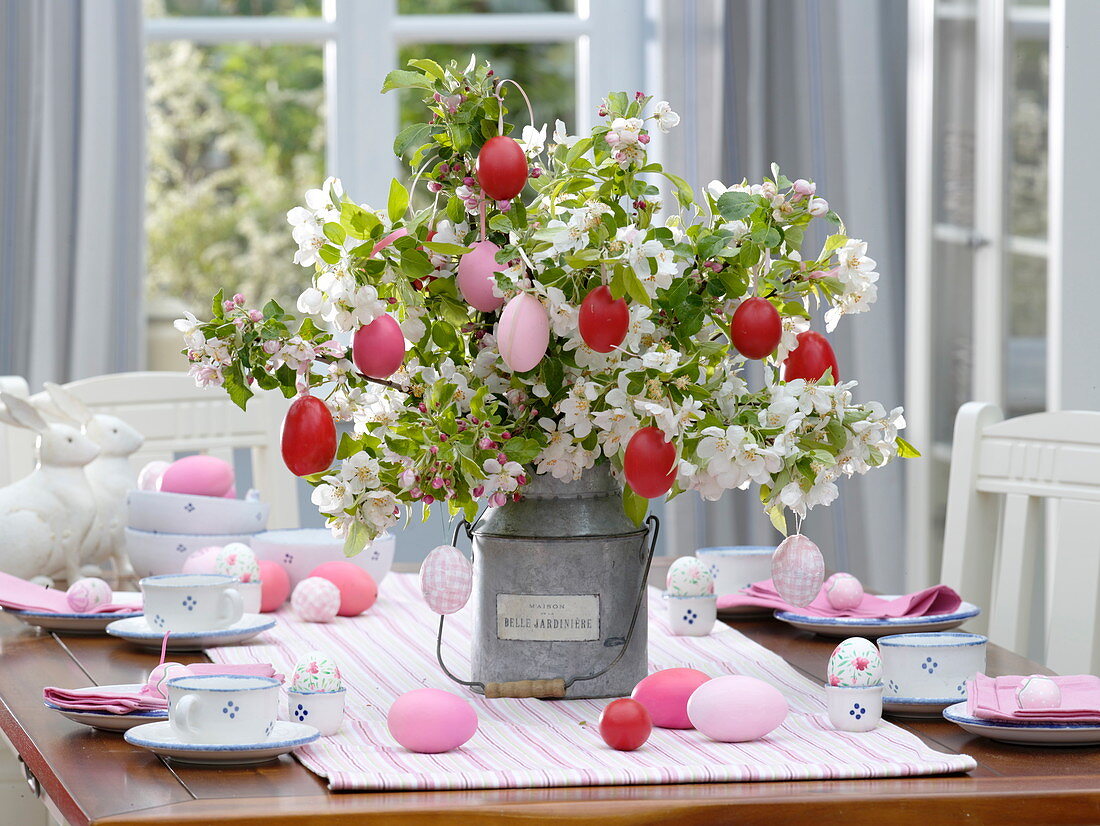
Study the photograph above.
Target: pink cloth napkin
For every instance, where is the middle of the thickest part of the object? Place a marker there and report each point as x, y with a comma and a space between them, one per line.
21, 595
994, 698
939, 599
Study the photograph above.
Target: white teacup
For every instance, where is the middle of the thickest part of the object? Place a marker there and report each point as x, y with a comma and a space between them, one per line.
737, 566
223, 708
931, 666
191, 602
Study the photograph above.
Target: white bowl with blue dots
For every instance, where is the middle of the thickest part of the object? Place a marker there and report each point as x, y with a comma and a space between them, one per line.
930, 667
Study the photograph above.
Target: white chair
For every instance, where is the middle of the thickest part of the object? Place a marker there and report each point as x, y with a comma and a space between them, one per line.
1001, 473
177, 417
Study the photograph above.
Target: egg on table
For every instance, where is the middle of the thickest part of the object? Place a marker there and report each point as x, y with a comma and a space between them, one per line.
688, 577
665, 695
735, 708
843, 591
431, 721
274, 585
202, 561
855, 662
315, 599
358, 590
87, 594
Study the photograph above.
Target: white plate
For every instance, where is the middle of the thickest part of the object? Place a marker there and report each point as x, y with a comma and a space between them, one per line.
160, 739
1043, 733
105, 721
137, 631
874, 628
910, 707
80, 623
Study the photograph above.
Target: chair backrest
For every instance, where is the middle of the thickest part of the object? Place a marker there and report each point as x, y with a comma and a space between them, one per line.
1002, 472
176, 417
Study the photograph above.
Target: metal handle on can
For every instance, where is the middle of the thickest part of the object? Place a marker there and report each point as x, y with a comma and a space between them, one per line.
553, 688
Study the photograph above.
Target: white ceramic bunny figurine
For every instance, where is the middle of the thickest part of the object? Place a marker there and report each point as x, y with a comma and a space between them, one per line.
45, 517
110, 475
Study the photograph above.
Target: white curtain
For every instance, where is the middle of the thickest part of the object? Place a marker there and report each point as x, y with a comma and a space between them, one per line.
817, 86
71, 179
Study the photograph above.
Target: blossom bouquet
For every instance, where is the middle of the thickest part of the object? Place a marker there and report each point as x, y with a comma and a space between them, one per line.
542, 311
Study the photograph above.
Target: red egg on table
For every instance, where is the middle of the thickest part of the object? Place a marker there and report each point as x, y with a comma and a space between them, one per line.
379, 347
475, 276
431, 721
502, 168
274, 585
735, 709
523, 333
665, 695
308, 437
650, 463
358, 590
603, 320
625, 724
199, 476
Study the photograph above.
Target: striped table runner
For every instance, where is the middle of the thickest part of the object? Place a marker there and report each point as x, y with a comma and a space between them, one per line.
532, 743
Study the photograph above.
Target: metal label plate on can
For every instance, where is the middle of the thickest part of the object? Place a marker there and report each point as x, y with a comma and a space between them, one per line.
548, 617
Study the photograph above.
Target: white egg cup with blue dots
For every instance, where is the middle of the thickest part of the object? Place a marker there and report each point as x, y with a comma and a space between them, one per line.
324, 710
929, 668
854, 708
692, 616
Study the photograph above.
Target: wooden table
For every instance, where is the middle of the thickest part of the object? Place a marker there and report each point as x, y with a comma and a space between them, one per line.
96, 778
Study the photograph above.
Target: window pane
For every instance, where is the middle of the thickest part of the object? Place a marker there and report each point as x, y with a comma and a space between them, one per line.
954, 113
483, 6
1028, 108
1025, 356
236, 134
952, 334
226, 8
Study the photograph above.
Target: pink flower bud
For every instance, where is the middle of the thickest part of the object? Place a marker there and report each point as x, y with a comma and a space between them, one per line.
228, 305
423, 408
444, 169
468, 181
497, 500
256, 315
437, 482
522, 478
602, 112
443, 437
504, 206
535, 172
502, 458
506, 435
486, 443
639, 95
804, 188
416, 493
818, 207
434, 186
478, 491
643, 138
612, 138
433, 450
461, 427
475, 420
270, 347
429, 499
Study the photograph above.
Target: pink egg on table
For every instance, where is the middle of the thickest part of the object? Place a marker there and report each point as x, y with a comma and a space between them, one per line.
665, 695
149, 476
202, 561
315, 600
843, 591
87, 594
358, 590
446, 579
523, 333
199, 476
798, 570
378, 348
274, 585
475, 276
734, 709
430, 720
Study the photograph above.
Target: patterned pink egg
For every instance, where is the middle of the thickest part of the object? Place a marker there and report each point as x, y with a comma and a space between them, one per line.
475, 276
798, 569
446, 579
315, 600
1038, 691
523, 333
87, 594
843, 591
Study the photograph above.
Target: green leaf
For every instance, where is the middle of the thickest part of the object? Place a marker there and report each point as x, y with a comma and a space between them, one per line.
906, 450
553, 374
577, 149
356, 539
444, 335
329, 254
766, 236
683, 192
635, 506
413, 135
445, 249
236, 388
778, 518
403, 79
834, 242
634, 287
429, 66
477, 403
335, 233
398, 201
217, 311
736, 206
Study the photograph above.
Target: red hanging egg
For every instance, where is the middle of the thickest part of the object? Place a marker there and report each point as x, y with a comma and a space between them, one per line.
813, 356
756, 328
378, 348
308, 437
603, 320
501, 168
650, 463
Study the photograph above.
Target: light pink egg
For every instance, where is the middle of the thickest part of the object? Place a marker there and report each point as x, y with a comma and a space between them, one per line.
315, 600
202, 561
430, 720
198, 475
475, 276
149, 477
665, 695
162, 674
798, 570
387, 240
274, 586
843, 591
446, 579
734, 709
1038, 691
523, 333
87, 594
379, 347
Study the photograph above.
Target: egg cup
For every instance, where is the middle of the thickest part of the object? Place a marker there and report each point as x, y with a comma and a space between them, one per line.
692, 616
251, 595
324, 710
854, 708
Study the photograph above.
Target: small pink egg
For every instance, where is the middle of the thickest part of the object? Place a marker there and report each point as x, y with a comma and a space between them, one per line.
734, 709
843, 591
430, 720
798, 570
387, 240
1039, 691
358, 590
274, 585
446, 579
202, 561
665, 695
523, 333
87, 594
149, 477
378, 348
315, 600
199, 476
475, 276
162, 674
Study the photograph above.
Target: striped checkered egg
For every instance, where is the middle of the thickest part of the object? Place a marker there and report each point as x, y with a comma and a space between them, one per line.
855, 662
446, 579
688, 577
798, 570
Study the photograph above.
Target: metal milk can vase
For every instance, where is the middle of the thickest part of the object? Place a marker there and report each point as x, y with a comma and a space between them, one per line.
560, 592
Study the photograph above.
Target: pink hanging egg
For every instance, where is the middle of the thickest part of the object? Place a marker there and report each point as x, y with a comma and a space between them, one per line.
446, 579
387, 240
378, 348
665, 695
523, 333
475, 276
798, 570
431, 721
199, 476
843, 591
